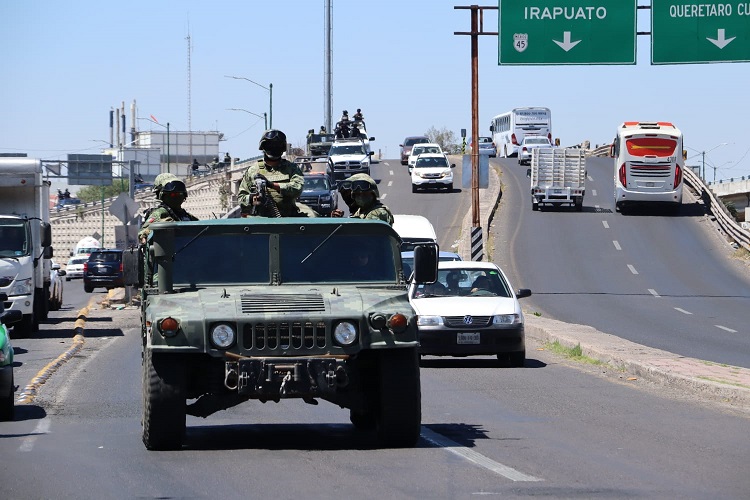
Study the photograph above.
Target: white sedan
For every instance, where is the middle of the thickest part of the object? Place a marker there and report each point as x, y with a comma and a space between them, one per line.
471, 310
74, 269
528, 144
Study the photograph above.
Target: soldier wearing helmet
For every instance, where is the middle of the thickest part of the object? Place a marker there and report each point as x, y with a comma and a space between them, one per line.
358, 116
365, 197
171, 193
283, 179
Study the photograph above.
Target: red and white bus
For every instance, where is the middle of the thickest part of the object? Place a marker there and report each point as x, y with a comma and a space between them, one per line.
648, 165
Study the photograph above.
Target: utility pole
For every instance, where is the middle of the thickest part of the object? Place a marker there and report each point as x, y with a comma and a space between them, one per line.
477, 28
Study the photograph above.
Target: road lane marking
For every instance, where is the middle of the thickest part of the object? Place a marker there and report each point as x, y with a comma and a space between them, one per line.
382, 196
390, 183
726, 329
41, 428
632, 269
474, 457
590, 178
653, 292
683, 311
605, 224
616, 244
593, 192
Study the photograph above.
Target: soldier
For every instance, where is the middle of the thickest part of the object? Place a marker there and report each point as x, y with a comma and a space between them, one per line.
171, 193
282, 179
358, 117
366, 197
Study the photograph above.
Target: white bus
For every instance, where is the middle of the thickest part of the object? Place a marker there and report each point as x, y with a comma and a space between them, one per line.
647, 165
509, 129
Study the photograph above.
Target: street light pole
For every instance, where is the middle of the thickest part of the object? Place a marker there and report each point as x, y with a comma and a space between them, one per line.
265, 115
270, 95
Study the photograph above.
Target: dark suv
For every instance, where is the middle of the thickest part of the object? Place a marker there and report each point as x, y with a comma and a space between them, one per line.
103, 270
409, 143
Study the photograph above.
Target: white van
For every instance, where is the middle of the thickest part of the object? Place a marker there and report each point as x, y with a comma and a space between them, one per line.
413, 229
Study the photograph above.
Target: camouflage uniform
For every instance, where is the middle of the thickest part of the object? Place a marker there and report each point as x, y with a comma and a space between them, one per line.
290, 179
374, 210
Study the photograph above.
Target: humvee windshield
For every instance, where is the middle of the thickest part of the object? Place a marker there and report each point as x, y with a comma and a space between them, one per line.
240, 258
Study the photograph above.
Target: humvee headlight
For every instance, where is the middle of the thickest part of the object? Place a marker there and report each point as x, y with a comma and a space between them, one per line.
222, 335
345, 333
169, 327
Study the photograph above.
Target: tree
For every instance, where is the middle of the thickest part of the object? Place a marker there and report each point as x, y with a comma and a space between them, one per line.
444, 137
93, 193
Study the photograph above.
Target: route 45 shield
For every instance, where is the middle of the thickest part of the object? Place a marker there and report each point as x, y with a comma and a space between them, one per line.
520, 41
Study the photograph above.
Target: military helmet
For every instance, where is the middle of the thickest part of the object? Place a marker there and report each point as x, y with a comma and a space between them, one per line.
162, 179
360, 182
273, 143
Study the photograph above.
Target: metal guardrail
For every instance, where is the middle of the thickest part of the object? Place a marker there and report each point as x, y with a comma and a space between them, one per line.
717, 208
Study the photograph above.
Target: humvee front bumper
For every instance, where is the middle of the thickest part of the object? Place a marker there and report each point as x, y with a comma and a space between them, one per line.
273, 378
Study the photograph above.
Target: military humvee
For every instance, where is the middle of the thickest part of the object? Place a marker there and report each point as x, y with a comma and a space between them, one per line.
266, 309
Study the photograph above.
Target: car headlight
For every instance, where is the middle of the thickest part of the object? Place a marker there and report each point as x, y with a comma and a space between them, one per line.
21, 287
429, 321
326, 198
506, 319
446, 173
345, 333
222, 335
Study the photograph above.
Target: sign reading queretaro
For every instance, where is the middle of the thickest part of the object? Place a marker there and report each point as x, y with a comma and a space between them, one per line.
699, 31
557, 32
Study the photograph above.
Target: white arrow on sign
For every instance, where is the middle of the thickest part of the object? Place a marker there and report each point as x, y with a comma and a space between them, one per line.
720, 41
566, 44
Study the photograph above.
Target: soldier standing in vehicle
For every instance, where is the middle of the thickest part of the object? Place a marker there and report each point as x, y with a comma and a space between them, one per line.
171, 193
358, 116
283, 179
364, 192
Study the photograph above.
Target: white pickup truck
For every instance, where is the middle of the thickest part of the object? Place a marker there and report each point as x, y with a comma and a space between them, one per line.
558, 177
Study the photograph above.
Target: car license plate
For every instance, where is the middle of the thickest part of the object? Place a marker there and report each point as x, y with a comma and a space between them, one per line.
467, 338
557, 191
650, 184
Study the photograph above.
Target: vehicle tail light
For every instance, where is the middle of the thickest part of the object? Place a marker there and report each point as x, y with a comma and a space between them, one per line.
120, 266
85, 267
623, 176
549, 136
677, 175
513, 139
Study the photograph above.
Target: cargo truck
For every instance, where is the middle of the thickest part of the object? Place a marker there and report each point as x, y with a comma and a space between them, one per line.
25, 241
558, 177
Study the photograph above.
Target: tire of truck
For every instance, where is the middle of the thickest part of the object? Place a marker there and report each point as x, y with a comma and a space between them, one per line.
579, 204
25, 327
164, 402
413, 188
534, 204
363, 421
88, 288
399, 418
7, 407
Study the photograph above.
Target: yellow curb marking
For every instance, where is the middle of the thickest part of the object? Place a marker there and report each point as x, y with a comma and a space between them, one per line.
29, 393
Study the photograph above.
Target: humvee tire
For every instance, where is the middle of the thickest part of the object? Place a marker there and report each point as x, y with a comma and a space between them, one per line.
399, 418
164, 402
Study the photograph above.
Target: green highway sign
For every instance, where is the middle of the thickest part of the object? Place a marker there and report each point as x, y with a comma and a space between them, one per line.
699, 31
566, 32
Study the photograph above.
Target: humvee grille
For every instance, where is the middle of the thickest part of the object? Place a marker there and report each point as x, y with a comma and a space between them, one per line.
294, 335
275, 303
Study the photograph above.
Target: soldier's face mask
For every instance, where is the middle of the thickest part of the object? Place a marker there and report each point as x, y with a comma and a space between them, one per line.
362, 198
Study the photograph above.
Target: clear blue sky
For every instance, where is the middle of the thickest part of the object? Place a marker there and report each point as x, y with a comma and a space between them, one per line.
65, 64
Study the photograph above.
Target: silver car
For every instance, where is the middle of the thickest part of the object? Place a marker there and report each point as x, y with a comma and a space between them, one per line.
74, 269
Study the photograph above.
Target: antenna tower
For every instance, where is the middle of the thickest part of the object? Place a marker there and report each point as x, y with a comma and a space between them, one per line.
189, 98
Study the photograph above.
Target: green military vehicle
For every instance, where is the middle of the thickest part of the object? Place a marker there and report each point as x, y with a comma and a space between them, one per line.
267, 309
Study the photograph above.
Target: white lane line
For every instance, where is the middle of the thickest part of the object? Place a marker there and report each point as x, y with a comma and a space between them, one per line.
605, 224
726, 329
474, 457
653, 292
390, 172
593, 192
683, 311
590, 178
382, 196
616, 244
390, 183
41, 428
632, 269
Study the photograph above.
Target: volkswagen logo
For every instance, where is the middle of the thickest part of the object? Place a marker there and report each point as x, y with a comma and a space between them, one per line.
468, 320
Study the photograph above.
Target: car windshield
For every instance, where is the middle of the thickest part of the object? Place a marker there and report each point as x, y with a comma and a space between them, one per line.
485, 140
464, 282
105, 257
315, 184
77, 261
418, 150
347, 150
431, 162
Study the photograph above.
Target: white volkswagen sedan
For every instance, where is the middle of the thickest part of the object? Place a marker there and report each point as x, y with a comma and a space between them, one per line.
471, 310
